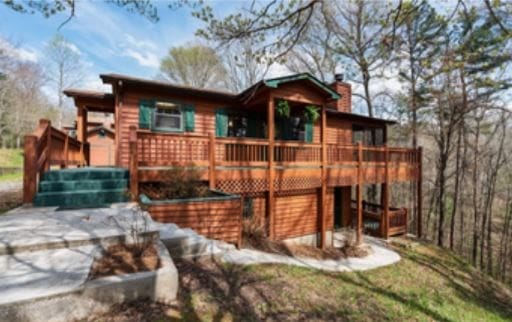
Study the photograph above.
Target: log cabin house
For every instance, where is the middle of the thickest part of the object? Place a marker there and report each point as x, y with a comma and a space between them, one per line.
301, 177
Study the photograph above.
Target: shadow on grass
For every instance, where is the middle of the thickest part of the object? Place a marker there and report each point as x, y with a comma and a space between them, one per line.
470, 284
234, 291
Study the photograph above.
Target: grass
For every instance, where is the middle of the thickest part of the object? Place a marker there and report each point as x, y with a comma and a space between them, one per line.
428, 284
16, 176
11, 158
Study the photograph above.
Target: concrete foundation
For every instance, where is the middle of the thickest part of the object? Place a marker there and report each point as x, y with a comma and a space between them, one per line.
310, 240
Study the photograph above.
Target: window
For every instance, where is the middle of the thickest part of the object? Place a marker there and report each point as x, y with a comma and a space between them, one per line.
368, 135
291, 129
168, 116
237, 125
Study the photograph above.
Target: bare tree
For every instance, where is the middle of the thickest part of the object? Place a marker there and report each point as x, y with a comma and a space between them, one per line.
64, 69
243, 68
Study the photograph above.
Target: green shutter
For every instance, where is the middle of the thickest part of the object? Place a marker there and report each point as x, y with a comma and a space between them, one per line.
221, 122
145, 112
189, 111
308, 137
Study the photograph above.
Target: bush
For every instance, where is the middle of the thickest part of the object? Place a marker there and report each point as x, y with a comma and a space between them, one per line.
177, 183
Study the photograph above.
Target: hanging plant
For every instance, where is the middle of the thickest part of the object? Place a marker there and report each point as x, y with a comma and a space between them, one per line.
283, 109
311, 113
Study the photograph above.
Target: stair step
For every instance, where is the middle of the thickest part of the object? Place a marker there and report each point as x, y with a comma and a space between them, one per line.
76, 185
80, 198
85, 174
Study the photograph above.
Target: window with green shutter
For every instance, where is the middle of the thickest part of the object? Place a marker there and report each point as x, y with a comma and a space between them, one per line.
146, 107
308, 135
189, 111
221, 122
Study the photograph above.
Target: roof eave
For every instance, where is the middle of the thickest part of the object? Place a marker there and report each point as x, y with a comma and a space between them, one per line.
275, 82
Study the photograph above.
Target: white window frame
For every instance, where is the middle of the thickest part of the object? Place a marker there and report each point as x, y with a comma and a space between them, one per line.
168, 105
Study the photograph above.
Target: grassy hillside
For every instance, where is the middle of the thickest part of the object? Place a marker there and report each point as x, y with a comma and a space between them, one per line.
429, 284
11, 158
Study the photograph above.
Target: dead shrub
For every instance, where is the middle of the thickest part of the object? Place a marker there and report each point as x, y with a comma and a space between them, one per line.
177, 183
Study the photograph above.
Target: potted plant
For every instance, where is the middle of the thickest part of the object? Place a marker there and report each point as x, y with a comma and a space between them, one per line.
311, 113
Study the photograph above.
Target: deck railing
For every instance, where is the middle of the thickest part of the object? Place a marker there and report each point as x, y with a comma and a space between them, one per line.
47, 147
166, 149
396, 221
151, 150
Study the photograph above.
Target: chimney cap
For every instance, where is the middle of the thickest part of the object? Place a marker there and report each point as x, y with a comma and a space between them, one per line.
339, 77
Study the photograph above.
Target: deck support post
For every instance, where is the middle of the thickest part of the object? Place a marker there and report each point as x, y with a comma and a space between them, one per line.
359, 228
271, 173
133, 164
418, 191
29, 168
385, 194
323, 195
81, 129
211, 158
66, 152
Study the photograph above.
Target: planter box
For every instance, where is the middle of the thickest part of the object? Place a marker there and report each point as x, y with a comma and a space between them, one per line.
217, 217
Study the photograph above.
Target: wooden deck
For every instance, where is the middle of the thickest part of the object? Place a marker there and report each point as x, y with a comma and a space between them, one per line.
241, 165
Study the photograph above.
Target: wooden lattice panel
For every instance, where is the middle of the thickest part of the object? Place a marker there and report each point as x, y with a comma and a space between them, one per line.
242, 186
297, 183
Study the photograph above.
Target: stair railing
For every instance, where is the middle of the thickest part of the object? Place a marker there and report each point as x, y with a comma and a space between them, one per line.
45, 147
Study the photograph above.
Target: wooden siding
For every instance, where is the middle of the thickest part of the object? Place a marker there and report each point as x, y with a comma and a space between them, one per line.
297, 214
213, 219
338, 131
102, 149
129, 114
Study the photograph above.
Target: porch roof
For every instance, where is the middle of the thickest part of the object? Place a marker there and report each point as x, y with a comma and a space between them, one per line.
360, 118
93, 101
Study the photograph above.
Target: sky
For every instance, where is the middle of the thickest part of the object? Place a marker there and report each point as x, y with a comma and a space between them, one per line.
109, 38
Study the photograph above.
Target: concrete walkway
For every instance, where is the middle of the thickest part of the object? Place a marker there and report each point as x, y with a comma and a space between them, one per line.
30, 229
381, 256
31, 275
46, 256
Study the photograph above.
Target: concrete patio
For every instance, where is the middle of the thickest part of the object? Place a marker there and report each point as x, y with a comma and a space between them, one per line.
46, 256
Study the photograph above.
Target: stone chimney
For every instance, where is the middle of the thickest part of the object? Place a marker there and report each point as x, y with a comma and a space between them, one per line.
344, 104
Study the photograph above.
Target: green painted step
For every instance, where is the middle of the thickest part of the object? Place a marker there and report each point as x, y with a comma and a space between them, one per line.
74, 185
85, 174
80, 198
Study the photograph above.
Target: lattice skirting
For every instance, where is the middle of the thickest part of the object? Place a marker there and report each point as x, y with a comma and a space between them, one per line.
242, 186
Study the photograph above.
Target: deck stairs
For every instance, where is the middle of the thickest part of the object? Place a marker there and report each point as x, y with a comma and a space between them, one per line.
82, 188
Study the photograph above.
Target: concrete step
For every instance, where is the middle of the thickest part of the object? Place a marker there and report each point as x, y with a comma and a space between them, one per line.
35, 229
80, 198
85, 174
74, 185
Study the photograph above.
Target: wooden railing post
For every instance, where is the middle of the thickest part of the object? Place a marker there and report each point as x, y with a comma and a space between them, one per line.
211, 156
133, 164
419, 193
323, 191
66, 151
46, 124
29, 168
271, 173
359, 228
386, 192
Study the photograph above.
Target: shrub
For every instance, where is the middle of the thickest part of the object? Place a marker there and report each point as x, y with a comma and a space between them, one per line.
177, 183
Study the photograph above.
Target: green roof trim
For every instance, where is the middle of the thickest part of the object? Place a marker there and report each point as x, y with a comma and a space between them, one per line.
275, 82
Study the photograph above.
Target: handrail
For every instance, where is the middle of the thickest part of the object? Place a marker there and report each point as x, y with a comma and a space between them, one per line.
160, 149
45, 147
